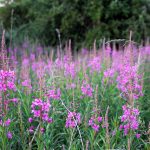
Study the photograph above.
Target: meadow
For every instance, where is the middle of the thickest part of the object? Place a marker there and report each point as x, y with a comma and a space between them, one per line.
95, 99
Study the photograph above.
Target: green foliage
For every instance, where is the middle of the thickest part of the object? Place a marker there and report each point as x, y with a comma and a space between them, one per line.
56, 135
79, 20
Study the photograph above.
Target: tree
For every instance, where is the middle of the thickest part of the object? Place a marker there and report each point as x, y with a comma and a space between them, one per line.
79, 20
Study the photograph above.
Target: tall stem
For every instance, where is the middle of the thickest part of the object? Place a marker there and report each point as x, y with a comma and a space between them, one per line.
129, 143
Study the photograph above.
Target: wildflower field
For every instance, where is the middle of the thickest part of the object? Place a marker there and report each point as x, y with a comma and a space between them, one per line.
95, 99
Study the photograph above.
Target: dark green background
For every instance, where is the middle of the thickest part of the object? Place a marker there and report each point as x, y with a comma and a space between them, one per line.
82, 21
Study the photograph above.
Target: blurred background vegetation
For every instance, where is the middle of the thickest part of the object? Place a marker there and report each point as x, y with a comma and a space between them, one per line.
82, 21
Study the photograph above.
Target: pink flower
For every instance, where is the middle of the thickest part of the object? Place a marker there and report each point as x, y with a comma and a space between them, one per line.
54, 94
109, 73
129, 119
138, 136
27, 83
1, 122
73, 119
50, 120
42, 130
7, 122
94, 122
121, 127
14, 100
90, 122
128, 81
99, 118
9, 135
70, 70
45, 117
40, 109
94, 64
7, 80
95, 127
71, 86
30, 120
31, 129
86, 89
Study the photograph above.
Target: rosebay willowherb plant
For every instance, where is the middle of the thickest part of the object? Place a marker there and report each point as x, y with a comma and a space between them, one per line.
7, 84
90, 100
